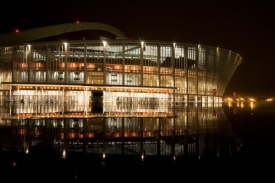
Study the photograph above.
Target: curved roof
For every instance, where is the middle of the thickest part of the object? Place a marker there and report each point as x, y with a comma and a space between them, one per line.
48, 31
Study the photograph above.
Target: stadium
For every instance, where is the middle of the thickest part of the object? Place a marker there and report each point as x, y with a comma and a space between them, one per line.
142, 95
107, 76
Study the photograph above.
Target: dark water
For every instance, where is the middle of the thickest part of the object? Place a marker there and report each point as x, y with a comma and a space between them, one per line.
240, 147
256, 128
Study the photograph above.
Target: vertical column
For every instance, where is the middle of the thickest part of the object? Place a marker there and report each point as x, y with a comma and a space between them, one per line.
142, 48
158, 65
173, 64
10, 94
173, 75
86, 100
217, 70
85, 63
104, 62
123, 64
205, 75
15, 67
28, 59
186, 73
66, 62
214, 94
47, 62
197, 73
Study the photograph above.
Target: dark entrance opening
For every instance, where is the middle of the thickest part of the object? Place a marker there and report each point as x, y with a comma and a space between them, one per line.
97, 101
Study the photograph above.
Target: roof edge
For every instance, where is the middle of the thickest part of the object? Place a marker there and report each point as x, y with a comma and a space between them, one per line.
48, 31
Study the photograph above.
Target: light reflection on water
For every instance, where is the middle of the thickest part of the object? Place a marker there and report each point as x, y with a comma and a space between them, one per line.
249, 107
193, 139
185, 133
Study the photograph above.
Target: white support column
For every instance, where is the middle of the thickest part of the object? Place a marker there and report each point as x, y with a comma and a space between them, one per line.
104, 62
197, 73
66, 62
142, 48
173, 76
186, 73
158, 60
28, 59
123, 64
85, 64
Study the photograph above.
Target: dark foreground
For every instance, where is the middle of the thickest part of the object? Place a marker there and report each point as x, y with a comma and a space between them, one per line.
255, 160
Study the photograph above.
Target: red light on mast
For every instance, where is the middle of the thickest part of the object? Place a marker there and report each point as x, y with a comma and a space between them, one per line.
16, 30
77, 22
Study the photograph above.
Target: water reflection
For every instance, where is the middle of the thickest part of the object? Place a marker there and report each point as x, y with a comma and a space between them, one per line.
240, 104
193, 132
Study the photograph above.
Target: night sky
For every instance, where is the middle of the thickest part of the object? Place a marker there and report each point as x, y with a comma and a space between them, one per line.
244, 27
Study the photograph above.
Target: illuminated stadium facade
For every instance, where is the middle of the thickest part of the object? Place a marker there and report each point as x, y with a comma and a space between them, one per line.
108, 76
114, 96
